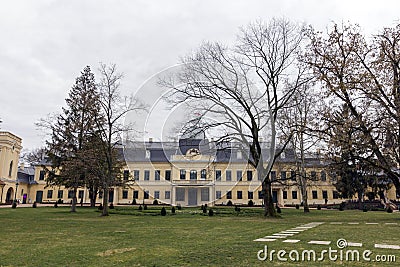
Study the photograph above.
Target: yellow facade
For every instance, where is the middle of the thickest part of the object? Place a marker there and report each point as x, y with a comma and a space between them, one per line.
190, 179
10, 148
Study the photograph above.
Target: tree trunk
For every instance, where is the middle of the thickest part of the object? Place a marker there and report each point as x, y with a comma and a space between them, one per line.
269, 209
105, 201
92, 196
74, 200
304, 193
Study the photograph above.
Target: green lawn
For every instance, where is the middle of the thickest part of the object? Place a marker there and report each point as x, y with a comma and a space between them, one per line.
55, 237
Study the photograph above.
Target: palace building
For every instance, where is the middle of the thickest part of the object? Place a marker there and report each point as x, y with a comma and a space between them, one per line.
187, 172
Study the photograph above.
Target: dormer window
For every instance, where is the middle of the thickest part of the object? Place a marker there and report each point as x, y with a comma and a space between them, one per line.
239, 155
147, 154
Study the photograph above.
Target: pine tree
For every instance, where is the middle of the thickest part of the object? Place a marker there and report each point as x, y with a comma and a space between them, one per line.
71, 135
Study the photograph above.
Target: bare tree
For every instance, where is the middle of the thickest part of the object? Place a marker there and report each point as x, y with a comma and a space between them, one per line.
299, 121
364, 77
114, 108
241, 89
33, 156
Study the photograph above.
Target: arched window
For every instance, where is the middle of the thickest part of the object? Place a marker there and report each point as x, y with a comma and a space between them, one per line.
10, 170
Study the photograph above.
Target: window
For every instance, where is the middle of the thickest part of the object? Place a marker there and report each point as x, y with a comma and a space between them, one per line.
146, 175
203, 174
333, 177
167, 195
205, 194
70, 193
273, 176
101, 194
228, 175
146, 194
180, 194
313, 175
60, 194
157, 194
135, 194
239, 195
335, 194
218, 194
126, 175
294, 194
80, 193
193, 175
314, 194
136, 175
260, 194
323, 176
229, 195
124, 194
182, 174
10, 169
293, 175
283, 175
157, 174
49, 193
238, 175
249, 175
250, 195
284, 194
41, 175
325, 194
218, 174
168, 175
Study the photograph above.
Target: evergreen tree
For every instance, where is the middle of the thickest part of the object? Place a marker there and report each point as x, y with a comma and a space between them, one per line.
71, 134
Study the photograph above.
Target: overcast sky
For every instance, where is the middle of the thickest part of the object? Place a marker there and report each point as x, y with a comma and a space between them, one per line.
45, 44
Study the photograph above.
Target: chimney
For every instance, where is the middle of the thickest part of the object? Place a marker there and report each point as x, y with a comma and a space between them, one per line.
150, 139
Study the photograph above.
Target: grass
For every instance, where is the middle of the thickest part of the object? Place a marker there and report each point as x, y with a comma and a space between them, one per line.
55, 237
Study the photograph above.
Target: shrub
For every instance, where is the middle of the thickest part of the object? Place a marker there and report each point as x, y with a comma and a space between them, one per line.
140, 207
145, 207
163, 211
297, 206
342, 205
204, 209
56, 205
250, 203
100, 207
365, 209
229, 203
278, 209
111, 206
179, 207
34, 205
389, 210
173, 210
155, 202
14, 205
205, 206
237, 209
319, 207
59, 201
134, 201
210, 212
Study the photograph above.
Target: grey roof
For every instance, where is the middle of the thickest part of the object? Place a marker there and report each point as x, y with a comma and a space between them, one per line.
26, 175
